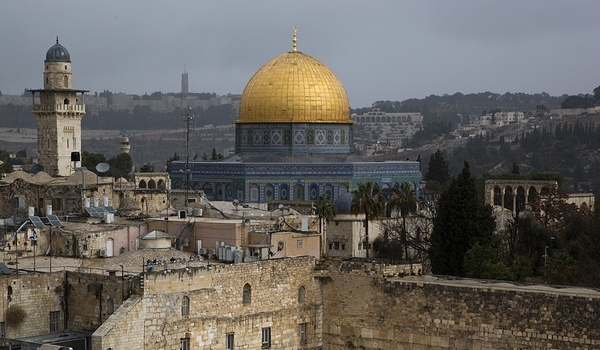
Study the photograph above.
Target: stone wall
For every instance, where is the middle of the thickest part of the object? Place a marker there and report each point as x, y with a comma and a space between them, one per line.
365, 311
36, 295
216, 307
90, 297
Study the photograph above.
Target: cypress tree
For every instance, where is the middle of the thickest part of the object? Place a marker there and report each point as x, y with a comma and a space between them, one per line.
460, 223
438, 168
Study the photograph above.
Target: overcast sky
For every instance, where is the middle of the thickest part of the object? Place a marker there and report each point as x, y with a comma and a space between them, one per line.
380, 50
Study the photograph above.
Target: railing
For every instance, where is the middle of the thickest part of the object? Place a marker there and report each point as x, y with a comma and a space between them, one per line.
46, 108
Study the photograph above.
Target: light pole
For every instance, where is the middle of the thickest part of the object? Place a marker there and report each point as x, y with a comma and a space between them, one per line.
546, 255
33, 240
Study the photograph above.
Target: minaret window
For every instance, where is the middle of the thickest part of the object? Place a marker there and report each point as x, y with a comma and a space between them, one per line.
66, 101
66, 81
67, 143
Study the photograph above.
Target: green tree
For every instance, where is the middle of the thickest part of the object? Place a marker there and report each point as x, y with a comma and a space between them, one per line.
90, 160
121, 166
324, 209
214, 154
171, 160
461, 221
147, 168
515, 169
403, 201
367, 199
438, 168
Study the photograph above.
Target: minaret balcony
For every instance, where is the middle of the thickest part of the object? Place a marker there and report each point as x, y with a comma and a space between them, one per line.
59, 108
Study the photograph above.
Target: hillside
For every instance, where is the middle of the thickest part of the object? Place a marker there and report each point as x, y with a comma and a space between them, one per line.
568, 146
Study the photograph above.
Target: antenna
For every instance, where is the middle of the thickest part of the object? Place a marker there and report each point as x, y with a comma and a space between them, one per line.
188, 117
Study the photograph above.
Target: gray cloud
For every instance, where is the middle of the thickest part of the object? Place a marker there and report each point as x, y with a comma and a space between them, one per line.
379, 49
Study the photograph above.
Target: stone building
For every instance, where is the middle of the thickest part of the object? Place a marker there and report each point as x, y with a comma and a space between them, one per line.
58, 112
391, 129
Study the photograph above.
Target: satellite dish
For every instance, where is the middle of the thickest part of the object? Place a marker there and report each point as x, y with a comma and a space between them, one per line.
37, 168
281, 207
102, 167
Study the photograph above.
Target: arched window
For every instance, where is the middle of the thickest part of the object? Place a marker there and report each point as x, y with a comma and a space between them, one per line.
301, 294
299, 192
284, 192
185, 306
66, 101
151, 184
142, 184
161, 184
269, 192
66, 82
246, 297
110, 306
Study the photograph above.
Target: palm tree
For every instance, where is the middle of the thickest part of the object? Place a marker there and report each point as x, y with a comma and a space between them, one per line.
325, 209
367, 199
404, 200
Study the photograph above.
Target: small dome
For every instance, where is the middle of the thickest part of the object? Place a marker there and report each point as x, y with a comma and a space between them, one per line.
58, 53
294, 87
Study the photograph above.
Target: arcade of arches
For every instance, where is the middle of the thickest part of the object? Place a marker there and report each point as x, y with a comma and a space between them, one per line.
513, 194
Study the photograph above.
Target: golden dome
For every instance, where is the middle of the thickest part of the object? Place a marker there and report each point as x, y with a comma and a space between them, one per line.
294, 87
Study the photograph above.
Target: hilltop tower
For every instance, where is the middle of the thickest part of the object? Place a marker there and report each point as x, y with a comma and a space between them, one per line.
184, 83
58, 112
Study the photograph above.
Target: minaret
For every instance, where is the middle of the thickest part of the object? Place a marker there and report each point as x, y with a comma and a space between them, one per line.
125, 147
58, 113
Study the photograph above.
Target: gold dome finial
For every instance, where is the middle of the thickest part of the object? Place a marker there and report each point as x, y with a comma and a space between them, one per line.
294, 40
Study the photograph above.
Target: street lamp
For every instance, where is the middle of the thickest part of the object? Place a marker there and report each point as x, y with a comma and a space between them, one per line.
546, 254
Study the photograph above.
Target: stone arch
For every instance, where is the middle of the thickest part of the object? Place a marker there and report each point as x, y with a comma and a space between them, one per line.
532, 195
508, 198
185, 306
142, 184
301, 294
152, 184
328, 190
247, 294
161, 184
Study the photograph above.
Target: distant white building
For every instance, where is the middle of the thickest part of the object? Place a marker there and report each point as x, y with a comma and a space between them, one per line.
502, 118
